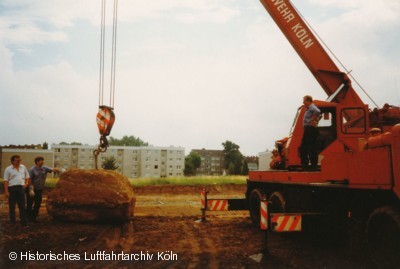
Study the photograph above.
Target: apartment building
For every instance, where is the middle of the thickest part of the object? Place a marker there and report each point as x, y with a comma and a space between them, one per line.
212, 162
133, 162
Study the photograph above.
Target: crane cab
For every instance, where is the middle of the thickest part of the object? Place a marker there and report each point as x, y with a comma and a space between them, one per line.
341, 128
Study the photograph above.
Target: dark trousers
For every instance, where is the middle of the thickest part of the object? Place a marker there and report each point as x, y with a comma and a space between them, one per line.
17, 196
308, 148
33, 204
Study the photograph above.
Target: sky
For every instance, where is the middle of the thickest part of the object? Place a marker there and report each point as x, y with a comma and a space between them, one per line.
188, 73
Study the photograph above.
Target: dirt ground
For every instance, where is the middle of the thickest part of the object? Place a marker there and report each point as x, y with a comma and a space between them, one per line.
165, 233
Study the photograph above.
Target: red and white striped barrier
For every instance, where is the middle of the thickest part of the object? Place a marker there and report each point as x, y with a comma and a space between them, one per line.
217, 205
286, 223
214, 204
203, 196
264, 215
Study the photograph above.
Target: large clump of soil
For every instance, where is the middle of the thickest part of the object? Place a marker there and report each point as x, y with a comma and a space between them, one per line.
91, 196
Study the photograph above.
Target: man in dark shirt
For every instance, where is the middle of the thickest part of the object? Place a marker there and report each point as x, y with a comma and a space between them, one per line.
38, 174
308, 147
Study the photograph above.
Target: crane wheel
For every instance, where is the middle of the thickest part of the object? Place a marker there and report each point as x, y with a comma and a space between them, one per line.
254, 206
277, 203
383, 233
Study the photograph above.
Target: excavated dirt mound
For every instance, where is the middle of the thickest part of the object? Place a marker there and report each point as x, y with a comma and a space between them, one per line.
91, 196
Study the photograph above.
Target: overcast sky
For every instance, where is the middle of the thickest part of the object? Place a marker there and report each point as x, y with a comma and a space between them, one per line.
189, 73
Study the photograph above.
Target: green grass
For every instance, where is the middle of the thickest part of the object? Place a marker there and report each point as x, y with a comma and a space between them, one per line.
185, 181
188, 181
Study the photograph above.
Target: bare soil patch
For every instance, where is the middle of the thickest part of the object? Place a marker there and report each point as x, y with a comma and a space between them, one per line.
165, 224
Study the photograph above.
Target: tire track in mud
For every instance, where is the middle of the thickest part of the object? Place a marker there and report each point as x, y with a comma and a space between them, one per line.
118, 237
191, 245
197, 245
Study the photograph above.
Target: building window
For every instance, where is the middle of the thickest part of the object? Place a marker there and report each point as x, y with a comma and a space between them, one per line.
155, 166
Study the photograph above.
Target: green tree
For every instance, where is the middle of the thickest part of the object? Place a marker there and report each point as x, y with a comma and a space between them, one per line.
127, 141
245, 168
109, 163
233, 158
192, 162
45, 145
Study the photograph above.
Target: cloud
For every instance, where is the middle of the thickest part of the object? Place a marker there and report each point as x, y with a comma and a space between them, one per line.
364, 35
51, 101
24, 31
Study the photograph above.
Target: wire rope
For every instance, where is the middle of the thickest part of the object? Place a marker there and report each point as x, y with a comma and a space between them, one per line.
334, 55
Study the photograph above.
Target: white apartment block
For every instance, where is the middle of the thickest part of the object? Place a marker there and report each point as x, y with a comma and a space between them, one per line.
133, 162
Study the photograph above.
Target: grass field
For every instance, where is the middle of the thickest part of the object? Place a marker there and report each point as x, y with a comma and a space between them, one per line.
197, 180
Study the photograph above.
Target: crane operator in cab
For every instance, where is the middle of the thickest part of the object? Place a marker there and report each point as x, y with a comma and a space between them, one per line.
308, 148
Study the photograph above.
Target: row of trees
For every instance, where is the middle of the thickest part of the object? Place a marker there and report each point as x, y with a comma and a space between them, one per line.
112, 141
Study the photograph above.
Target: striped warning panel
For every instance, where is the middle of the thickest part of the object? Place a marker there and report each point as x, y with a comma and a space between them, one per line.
203, 195
217, 205
286, 223
264, 215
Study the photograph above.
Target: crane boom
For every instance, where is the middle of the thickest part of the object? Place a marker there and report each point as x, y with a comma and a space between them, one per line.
311, 52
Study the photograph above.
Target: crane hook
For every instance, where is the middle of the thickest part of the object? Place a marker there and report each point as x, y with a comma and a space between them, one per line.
105, 120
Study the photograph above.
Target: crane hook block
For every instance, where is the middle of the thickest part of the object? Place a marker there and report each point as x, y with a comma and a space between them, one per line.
105, 120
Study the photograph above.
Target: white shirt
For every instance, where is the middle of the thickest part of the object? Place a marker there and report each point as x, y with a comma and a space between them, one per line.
16, 177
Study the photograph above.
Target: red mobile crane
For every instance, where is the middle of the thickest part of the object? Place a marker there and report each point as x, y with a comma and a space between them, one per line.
358, 180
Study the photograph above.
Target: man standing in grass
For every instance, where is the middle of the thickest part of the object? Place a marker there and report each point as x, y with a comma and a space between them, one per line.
38, 174
16, 179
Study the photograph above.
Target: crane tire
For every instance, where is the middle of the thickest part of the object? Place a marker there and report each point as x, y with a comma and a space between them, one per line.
383, 235
254, 206
277, 203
